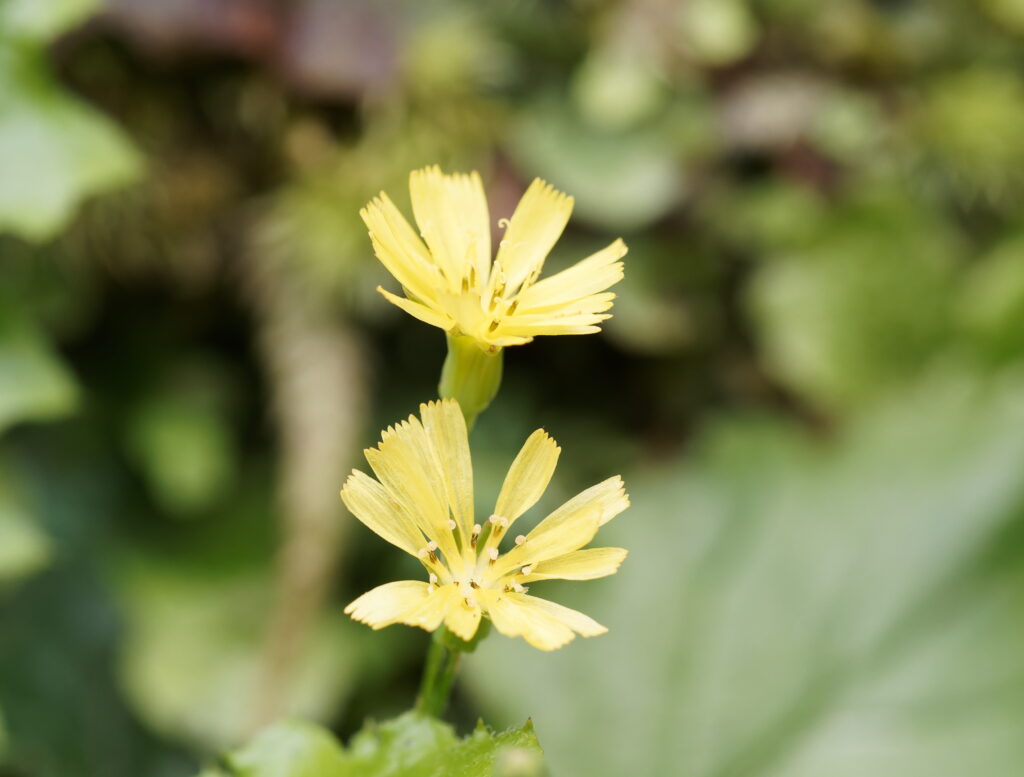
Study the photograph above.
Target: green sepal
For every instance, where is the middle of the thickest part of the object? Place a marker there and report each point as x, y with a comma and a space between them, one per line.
471, 374
454, 643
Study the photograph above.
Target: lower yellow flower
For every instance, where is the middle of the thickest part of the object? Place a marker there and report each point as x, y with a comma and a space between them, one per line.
422, 502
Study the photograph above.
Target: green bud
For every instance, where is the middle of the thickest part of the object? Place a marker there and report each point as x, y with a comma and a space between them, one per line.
471, 375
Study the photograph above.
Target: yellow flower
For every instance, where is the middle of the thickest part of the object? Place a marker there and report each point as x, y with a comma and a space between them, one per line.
422, 502
450, 281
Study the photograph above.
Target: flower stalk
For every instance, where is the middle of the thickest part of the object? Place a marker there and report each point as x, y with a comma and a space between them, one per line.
443, 660
471, 375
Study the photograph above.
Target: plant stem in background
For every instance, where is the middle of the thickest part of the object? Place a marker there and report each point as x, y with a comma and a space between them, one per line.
471, 375
314, 366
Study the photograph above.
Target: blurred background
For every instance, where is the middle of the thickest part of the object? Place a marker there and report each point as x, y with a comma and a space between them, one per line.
813, 384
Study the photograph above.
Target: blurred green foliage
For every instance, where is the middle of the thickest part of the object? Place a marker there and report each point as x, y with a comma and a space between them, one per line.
811, 383
841, 607
53, 150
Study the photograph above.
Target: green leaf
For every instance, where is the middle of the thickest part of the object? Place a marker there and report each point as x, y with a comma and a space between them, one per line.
24, 547
718, 32
418, 746
795, 607
31, 19
834, 319
619, 180
34, 384
185, 448
972, 120
194, 653
991, 302
54, 151
290, 749
411, 745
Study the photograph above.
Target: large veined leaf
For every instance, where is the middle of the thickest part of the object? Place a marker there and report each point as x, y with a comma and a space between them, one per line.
799, 608
411, 745
54, 150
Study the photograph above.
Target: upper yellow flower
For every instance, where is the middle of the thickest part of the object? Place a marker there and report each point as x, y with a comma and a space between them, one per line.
451, 282
423, 503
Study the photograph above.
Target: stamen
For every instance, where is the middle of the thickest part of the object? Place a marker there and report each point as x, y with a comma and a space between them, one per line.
471, 602
427, 552
512, 307
519, 588
433, 579
451, 524
475, 536
520, 539
493, 554
526, 570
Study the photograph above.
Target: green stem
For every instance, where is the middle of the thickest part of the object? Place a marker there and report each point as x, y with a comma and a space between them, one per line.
470, 374
443, 660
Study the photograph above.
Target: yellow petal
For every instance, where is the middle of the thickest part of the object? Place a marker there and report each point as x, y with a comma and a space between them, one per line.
463, 619
543, 624
389, 603
546, 542
446, 430
406, 466
537, 223
589, 276
567, 322
588, 564
399, 248
368, 501
608, 498
433, 609
451, 211
418, 310
528, 476
582, 624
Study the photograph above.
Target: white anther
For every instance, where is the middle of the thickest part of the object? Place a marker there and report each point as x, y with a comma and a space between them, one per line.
477, 528
431, 546
526, 570
519, 588
452, 524
493, 553
433, 579
520, 539
470, 602
422, 552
